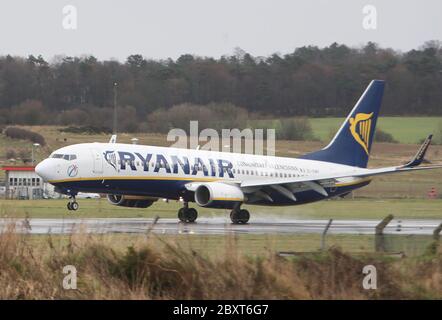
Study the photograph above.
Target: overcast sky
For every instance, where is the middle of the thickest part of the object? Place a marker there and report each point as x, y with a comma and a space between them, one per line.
168, 28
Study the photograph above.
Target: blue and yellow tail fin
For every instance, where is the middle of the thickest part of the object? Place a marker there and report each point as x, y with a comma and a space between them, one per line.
352, 144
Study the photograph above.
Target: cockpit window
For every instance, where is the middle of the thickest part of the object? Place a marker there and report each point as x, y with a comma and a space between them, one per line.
67, 157
57, 156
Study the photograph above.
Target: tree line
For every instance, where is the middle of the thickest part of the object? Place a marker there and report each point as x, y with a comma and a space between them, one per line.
310, 81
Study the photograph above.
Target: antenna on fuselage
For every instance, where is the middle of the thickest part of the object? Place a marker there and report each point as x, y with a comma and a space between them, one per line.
113, 138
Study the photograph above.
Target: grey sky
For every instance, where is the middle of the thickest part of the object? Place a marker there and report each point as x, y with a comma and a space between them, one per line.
169, 28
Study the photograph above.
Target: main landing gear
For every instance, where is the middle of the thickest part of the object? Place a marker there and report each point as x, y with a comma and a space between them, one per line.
186, 214
72, 204
239, 216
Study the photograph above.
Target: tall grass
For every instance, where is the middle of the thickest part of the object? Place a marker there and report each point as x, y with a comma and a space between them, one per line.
155, 269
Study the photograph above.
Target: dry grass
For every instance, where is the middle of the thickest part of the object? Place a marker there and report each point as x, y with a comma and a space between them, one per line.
153, 268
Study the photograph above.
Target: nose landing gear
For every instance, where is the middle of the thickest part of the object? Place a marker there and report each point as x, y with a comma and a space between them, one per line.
72, 204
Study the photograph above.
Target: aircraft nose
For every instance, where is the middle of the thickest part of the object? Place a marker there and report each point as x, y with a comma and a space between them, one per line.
43, 169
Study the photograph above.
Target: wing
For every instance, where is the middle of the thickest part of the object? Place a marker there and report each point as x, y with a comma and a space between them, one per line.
288, 186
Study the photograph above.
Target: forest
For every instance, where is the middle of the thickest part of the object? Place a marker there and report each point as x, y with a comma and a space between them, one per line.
310, 81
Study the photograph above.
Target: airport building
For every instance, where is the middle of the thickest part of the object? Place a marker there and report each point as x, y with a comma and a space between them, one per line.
21, 182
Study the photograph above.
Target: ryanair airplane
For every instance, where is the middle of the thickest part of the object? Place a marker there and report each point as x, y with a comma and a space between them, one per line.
137, 176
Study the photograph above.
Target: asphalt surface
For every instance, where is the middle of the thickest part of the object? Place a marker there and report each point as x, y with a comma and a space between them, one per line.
215, 226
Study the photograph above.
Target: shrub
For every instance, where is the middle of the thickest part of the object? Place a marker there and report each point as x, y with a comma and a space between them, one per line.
11, 154
29, 112
89, 117
73, 117
438, 134
20, 133
86, 130
295, 129
216, 116
382, 136
24, 155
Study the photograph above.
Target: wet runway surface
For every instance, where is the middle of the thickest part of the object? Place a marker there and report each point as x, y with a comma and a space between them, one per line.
215, 226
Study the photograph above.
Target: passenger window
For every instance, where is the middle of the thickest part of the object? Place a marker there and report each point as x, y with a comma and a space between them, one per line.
73, 157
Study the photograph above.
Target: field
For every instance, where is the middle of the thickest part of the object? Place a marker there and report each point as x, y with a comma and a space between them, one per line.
406, 130
409, 130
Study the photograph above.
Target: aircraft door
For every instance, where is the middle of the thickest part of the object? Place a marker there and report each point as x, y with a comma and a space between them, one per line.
98, 161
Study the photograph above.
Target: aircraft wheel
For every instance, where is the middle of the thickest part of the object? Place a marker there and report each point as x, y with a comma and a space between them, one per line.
244, 216
239, 216
74, 205
181, 215
191, 215
69, 206
187, 215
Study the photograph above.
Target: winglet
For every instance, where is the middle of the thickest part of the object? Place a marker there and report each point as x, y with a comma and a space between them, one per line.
419, 157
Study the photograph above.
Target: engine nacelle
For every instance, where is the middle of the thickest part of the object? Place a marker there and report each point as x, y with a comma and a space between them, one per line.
218, 195
131, 201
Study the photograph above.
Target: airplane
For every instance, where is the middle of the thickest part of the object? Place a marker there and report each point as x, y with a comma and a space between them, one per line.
137, 175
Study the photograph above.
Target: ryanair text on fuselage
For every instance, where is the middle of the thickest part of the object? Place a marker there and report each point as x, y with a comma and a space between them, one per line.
127, 160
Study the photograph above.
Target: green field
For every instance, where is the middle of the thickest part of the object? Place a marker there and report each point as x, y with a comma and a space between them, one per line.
404, 129
335, 209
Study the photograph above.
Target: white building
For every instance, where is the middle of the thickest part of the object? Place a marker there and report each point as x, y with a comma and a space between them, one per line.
23, 183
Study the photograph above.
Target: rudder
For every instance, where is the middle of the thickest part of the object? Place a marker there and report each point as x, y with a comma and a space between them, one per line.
352, 143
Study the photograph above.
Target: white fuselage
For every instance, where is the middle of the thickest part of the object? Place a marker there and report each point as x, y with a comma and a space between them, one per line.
161, 172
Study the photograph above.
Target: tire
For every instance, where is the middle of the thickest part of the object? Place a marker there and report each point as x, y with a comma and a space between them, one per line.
234, 217
244, 216
74, 206
239, 216
191, 215
181, 215
69, 206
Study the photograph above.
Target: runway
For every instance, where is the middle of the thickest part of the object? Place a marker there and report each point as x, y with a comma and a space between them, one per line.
214, 226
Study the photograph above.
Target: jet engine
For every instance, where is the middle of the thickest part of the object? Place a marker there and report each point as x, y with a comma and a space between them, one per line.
131, 201
218, 195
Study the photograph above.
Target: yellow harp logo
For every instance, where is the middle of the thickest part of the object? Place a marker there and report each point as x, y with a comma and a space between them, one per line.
360, 127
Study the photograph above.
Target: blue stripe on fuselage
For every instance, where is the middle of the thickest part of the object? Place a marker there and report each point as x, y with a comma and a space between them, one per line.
174, 189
